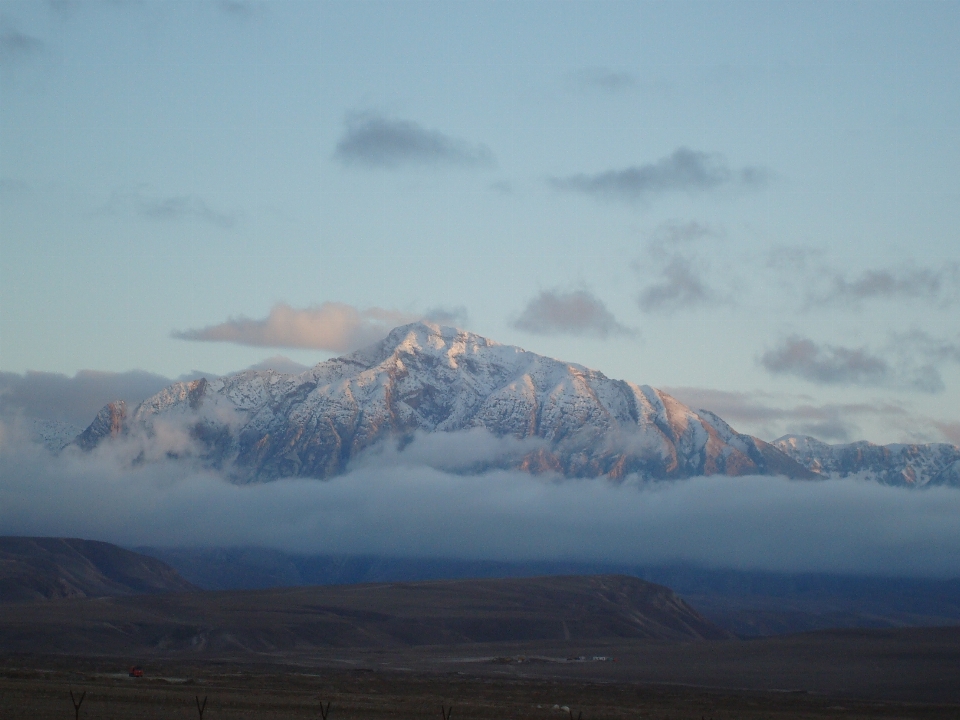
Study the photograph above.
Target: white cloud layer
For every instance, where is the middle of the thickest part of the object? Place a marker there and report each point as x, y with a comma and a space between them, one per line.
331, 326
418, 509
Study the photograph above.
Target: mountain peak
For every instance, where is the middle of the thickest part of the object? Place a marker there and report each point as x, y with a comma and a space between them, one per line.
430, 378
422, 337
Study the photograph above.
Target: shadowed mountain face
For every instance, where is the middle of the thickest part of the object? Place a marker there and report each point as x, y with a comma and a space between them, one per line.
424, 378
55, 568
384, 615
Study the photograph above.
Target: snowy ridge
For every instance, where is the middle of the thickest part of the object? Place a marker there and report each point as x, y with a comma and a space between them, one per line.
425, 378
897, 464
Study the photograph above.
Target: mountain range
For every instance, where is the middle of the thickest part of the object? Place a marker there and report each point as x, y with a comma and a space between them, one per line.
424, 379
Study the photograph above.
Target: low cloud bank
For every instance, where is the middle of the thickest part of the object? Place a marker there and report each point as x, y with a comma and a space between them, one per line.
419, 509
73, 400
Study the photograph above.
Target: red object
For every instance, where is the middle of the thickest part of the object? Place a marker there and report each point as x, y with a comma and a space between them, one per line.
136, 671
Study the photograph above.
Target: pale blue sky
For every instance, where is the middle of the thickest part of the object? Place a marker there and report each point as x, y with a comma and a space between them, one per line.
763, 196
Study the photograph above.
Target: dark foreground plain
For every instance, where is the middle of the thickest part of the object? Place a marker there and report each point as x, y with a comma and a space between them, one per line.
606, 646
855, 674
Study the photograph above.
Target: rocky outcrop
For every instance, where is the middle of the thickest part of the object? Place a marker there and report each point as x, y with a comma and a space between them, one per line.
107, 423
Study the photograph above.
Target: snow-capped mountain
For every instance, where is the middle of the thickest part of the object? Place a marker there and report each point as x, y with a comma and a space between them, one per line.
427, 379
898, 464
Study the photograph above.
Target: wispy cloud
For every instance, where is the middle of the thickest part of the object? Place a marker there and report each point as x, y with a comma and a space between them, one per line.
579, 313
235, 8
928, 347
685, 170
674, 272
680, 287
950, 430
336, 327
770, 416
603, 79
374, 141
837, 365
453, 316
280, 364
168, 207
820, 283
888, 284
15, 45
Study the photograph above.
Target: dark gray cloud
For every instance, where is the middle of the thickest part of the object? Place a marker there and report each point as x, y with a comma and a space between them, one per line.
169, 207
826, 364
406, 504
578, 313
16, 46
888, 284
374, 141
685, 170
73, 400
680, 287
604, 79
838, 365
453, 316
674, 272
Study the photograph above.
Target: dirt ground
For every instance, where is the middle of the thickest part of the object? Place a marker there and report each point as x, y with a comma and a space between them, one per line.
39, 689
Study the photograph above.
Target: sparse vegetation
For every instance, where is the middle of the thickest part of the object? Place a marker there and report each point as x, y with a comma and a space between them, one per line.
277, 692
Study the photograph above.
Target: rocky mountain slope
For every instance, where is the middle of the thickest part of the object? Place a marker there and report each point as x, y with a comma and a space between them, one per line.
424, 378
56, 568
898, 464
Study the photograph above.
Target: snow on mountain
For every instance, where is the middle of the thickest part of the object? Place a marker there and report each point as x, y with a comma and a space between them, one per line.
52, 434
426, 379
898, 464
